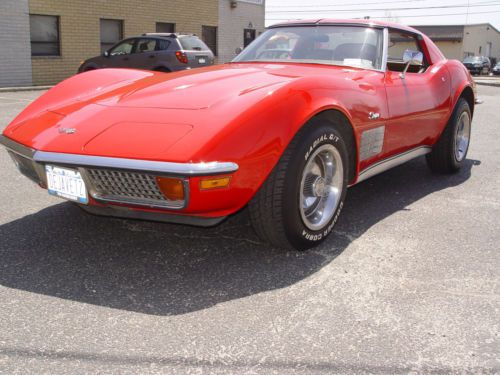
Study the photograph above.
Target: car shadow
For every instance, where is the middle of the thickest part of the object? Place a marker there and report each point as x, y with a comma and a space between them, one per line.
165, 269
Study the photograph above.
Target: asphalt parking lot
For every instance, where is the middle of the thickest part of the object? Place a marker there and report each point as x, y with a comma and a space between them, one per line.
408, 283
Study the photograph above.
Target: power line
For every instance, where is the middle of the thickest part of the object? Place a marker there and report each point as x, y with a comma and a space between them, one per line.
383, 9
403, 16
485, 2
368, 3
344, 4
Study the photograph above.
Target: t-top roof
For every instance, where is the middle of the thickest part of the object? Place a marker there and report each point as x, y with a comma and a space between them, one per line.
332, 21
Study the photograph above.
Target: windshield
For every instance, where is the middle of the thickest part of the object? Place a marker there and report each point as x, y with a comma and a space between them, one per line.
472, 59
333, 45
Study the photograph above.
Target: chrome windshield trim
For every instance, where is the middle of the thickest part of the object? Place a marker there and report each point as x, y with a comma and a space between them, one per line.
324, 23
181, 169
385, 50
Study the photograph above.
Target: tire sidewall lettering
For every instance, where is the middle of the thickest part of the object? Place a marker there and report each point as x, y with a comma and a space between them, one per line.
312, 236
325, 138
319, 235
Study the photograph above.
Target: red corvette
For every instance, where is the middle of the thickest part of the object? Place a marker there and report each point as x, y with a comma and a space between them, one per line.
308, 109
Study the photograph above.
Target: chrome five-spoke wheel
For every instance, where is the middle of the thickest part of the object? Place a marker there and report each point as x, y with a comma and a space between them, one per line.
462, 136
321, 187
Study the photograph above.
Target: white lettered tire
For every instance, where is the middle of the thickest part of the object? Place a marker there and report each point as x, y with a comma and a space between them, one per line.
301, 200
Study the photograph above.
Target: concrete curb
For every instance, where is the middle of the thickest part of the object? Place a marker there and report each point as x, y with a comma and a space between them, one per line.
26, 88
485, 83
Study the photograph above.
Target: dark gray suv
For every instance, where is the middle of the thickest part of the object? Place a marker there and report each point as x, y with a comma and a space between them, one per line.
162, 52
477, 64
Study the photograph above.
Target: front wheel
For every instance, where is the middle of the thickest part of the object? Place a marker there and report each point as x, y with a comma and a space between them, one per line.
300, 202
449, 153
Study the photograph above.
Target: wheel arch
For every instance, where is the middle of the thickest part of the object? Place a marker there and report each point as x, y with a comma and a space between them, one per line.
338, 119
89, 67
468, 94
162, 68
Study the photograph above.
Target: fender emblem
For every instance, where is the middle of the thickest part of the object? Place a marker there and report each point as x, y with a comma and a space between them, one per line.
67, 130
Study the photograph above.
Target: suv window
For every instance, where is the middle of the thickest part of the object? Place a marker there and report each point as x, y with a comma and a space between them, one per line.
124, 48
145, 45
192, 43
162, 45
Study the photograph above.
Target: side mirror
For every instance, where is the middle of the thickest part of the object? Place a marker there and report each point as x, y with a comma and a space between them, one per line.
238, 50
410, 57
106, 54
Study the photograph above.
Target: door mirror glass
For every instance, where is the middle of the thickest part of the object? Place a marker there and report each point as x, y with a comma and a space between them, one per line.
238, 50
413, 57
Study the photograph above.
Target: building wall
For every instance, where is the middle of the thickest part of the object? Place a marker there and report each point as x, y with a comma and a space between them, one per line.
15, 58
232, 22
80, 27
476, 36
451, 50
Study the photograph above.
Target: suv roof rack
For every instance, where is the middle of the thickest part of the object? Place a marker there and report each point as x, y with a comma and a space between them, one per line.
168, 35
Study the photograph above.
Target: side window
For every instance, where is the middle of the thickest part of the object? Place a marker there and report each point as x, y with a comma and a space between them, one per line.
145, 45
124, 48
399, 42
162, 44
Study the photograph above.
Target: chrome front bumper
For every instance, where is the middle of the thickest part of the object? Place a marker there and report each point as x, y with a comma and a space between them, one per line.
133, 174
178, 169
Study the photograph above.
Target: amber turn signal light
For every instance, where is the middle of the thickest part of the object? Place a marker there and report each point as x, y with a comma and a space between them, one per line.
214, 183
172, 188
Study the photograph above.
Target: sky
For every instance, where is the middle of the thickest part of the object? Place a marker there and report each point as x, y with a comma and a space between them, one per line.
408, 12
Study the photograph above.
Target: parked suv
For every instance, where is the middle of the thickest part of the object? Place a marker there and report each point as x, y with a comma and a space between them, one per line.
162, 52
496, 69
477, 64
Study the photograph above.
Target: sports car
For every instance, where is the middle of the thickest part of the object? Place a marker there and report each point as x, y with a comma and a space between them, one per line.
305, 111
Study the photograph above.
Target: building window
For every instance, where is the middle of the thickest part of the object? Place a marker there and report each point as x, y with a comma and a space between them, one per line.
165, 27
111, 33
44, 34
209, 36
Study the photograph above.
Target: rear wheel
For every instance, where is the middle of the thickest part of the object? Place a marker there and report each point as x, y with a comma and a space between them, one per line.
299, 203
449, 152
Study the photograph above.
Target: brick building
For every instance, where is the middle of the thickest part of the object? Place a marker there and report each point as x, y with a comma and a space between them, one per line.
47, 39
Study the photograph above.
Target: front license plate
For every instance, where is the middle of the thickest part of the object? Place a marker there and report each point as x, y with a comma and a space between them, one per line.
202, 60
66, 183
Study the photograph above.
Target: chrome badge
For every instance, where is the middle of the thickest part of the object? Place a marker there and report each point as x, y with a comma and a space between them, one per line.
67, 130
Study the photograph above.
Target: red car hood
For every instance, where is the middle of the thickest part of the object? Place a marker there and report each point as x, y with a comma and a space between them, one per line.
124, 113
